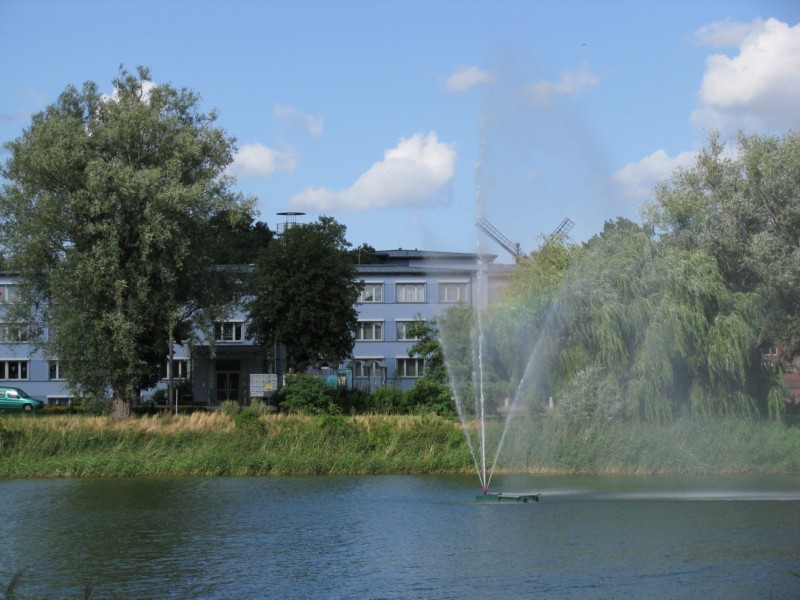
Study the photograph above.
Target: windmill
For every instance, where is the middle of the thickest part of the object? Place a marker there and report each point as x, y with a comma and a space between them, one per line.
560, 232
513, 248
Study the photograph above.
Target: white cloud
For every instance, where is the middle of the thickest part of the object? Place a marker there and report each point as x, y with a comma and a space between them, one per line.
723, 34
544, 92
414, 173
309, 124
257, 160
146, 89
760, 86
466, 78
638, 179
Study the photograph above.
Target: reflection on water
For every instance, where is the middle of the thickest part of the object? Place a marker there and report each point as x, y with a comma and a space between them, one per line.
402, 537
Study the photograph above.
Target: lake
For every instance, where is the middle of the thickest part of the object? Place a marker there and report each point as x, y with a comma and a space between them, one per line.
402, 537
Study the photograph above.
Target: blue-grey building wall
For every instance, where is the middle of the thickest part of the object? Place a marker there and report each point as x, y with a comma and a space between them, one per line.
224, 374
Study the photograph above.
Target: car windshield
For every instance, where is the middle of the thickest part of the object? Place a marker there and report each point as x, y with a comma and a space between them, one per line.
21, 393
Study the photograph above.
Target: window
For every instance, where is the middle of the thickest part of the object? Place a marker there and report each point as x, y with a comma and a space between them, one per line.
61, 401
13, 369
56, 371
8, 293
367, 367
410, 292
403, 333
410, 367
15, 333
369, 331
453, 292
229, 331
180, 369
372, 292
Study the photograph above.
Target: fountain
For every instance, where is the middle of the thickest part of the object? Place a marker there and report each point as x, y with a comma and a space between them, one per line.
486, 462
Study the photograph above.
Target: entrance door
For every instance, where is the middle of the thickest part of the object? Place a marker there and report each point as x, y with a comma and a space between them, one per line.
227, 385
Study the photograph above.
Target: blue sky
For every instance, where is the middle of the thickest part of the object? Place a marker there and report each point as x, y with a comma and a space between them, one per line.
405, 121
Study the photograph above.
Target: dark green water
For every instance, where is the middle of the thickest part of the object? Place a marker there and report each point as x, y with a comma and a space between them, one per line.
402, 537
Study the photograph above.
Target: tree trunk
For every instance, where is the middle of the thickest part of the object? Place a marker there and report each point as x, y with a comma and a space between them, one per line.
120, 408
171, 375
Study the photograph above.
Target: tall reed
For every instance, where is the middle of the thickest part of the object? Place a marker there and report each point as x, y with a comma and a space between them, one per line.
213, 444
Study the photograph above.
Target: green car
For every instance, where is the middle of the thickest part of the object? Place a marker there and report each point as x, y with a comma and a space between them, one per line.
16, 399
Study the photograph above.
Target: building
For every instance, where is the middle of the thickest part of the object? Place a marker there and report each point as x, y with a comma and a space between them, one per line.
403, 286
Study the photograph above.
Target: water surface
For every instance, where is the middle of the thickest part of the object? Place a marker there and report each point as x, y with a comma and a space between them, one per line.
402, 537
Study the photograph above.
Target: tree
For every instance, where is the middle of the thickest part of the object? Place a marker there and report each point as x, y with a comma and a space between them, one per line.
429, 348
364, 255
237, 241
431, 391
743, 208
520, 331
660, 324
650, 324
105, 213
304, 294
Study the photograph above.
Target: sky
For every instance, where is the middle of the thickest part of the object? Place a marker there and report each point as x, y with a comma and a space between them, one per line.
407, 121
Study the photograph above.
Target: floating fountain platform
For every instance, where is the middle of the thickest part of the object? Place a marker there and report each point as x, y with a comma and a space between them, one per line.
504, 497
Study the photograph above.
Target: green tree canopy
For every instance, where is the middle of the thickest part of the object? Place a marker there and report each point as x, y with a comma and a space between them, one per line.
364, 255
106, 209
305, 292
237, 241
652, 325
658, 321
742, 206
432, 391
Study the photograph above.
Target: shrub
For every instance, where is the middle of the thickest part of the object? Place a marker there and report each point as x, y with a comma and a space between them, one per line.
351, 401
428, 395
306, 394
385, 400
229, 408
249, 421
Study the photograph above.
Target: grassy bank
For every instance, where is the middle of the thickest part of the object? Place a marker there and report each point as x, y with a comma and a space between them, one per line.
216, 444
213, 444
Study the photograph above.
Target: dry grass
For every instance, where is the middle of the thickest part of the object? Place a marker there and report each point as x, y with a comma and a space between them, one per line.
167, 424
402, 422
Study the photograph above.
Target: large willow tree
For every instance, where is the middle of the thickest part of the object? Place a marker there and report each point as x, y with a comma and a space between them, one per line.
742, 207
632, 328
661, 326
105, 213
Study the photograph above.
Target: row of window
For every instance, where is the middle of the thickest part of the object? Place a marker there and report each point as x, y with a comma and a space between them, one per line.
404, 367
372, 292
372, 331
13, 369
16, 333
17, 370
232, 331
449, 292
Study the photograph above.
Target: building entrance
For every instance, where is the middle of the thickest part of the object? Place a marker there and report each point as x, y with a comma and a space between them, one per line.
228, 382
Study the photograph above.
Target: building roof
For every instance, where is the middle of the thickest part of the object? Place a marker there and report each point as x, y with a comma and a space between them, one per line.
432, 254
425, 262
